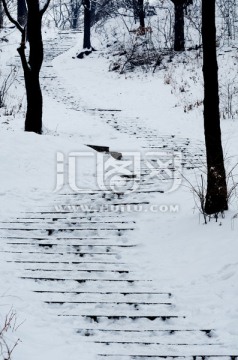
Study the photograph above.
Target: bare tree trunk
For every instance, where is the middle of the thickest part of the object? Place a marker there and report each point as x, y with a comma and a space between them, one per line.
87, 24
21, 12
75, 11
180, 6
179, 42
216, 197
32, 66
1, 15
33, 120
141, 13
33, 90
134, 4
93, 12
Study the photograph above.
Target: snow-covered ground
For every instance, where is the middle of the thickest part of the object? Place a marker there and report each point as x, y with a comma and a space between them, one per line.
196, 262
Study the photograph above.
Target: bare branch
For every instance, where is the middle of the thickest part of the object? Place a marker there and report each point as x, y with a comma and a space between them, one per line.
45, 7
16, 23
21, 51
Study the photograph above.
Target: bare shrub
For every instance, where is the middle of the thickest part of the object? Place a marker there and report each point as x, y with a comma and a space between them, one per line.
199, 191
5, 85
7, 345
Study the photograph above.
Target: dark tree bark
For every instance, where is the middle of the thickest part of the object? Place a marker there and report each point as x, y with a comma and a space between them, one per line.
32, 66
216, 197
75, 11
179, 8
141, 13
93, 13
1, 15
134, 4
32, 71
179, 42
21, 12
87, 24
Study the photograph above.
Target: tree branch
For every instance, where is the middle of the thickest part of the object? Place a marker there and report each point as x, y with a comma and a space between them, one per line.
45, 7
16, 23
21, 51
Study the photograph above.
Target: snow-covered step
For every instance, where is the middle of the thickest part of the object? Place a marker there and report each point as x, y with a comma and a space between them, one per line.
75, 270
110, 296
81, 280
69, 245
65, 227
147, 335
82, 268
58, 216
66, 283
168, 345
79, 274
151, 350
91, 231
96, 286
77, 308
103, 204
90, 242
168, 327
69, 256
122, 306
167, 356
67, 249
123, 318
66, 222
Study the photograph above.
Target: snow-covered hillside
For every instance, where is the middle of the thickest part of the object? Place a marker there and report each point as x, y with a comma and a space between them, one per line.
137, 112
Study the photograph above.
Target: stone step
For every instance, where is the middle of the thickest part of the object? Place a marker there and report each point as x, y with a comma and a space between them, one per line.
170, 356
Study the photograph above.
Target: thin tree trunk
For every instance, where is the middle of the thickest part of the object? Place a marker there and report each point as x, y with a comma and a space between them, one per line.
134, 4
1, 15
141, 13
93, 12
33, 120
216, 197
34, 96
21, 12
87, 25
179, 42
75, 10
32, 66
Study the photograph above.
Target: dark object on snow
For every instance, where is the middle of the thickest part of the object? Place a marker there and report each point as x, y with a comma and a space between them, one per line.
82, 53
116, 155
99, 148
3, 39
105, 149
85, 52
196, 47
131, 176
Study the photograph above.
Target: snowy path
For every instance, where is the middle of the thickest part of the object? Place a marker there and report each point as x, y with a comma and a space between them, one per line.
78, 262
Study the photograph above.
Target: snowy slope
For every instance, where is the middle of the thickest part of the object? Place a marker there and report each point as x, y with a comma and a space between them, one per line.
197, 263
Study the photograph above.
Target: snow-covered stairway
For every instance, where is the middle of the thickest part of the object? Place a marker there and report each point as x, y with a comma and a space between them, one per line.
77, 262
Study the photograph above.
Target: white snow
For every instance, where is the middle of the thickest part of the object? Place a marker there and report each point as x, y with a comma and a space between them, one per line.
196, 262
